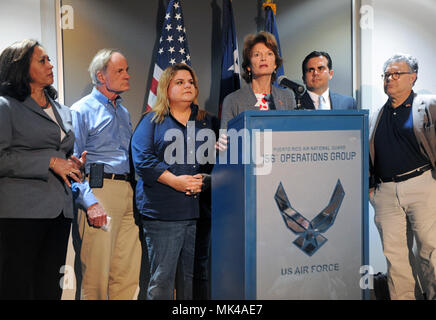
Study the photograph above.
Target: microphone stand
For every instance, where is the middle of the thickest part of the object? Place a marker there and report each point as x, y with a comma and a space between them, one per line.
299, 90
298, 97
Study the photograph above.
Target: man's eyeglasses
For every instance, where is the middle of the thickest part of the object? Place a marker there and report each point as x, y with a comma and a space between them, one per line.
394, 75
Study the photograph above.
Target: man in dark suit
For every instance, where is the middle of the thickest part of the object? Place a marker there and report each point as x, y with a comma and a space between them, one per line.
317, 72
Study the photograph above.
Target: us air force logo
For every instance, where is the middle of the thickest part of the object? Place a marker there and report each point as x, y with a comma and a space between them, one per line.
309, 234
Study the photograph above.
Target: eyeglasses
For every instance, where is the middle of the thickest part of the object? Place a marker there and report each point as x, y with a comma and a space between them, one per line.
394, 75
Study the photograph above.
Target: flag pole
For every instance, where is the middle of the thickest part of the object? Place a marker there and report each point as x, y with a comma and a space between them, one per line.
270, 25
271, 4
230, 80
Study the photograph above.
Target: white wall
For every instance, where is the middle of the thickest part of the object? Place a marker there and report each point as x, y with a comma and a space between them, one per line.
400, 26
310, 25
391, 26
19, 19
29, 19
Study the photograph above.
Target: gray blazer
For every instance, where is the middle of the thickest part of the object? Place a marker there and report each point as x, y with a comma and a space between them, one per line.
245, 99
424, 120
28, 139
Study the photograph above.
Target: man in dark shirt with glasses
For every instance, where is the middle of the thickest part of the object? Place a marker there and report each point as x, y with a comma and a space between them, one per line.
403, 185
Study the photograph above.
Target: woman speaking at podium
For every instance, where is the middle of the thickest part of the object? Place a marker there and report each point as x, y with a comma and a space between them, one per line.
260, 62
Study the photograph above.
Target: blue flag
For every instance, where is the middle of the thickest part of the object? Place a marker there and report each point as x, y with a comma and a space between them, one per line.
173, 46
230, 80
270, 26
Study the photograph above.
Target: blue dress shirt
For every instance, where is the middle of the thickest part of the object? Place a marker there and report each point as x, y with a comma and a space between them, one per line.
104, 132
156, 200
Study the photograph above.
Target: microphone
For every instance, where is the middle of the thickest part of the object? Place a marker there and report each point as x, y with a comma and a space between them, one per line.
285, 82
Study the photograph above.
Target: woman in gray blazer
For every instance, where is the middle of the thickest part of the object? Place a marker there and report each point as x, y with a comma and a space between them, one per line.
261, 59
36, 171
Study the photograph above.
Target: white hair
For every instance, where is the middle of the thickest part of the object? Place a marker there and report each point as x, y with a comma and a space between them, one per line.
99, 63
411, 61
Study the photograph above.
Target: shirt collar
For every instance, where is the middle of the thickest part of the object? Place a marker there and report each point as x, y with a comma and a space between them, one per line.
409, 100
193, 115
315, 97
194, 112
103, 99
406, 104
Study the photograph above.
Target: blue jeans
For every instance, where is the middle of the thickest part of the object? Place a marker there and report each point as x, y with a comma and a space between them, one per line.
171, 246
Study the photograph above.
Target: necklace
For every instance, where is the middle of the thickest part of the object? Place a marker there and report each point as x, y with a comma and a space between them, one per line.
46, 104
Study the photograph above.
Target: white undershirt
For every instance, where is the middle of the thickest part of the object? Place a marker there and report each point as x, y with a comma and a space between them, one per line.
50, 113
315, 99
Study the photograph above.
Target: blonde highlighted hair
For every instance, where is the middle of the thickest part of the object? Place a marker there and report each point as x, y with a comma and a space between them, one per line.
162, 106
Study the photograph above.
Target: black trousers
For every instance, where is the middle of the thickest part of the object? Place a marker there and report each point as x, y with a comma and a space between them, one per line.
32, 252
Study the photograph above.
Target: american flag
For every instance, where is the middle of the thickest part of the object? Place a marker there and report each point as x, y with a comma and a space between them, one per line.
173, 46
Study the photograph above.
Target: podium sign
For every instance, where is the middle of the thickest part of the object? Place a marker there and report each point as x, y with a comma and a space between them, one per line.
293, 225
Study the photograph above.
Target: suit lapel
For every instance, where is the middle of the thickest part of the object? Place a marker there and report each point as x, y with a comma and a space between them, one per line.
279, 104
57, 111
251, 98
306, 102
59, 114
418, 110
33, 106
250, 94
333, 101
372, 130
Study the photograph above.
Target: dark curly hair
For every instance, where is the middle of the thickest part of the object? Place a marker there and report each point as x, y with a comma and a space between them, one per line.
14, 70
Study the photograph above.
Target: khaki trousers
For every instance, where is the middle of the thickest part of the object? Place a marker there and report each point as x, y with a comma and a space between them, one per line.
406, 211
111, 259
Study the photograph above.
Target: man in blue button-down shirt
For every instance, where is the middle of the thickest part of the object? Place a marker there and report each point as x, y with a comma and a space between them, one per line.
110, 250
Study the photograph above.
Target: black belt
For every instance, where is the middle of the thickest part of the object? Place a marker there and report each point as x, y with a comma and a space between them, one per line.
408, 175
114, 176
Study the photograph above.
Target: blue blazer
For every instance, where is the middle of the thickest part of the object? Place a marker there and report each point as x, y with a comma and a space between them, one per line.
337, 101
